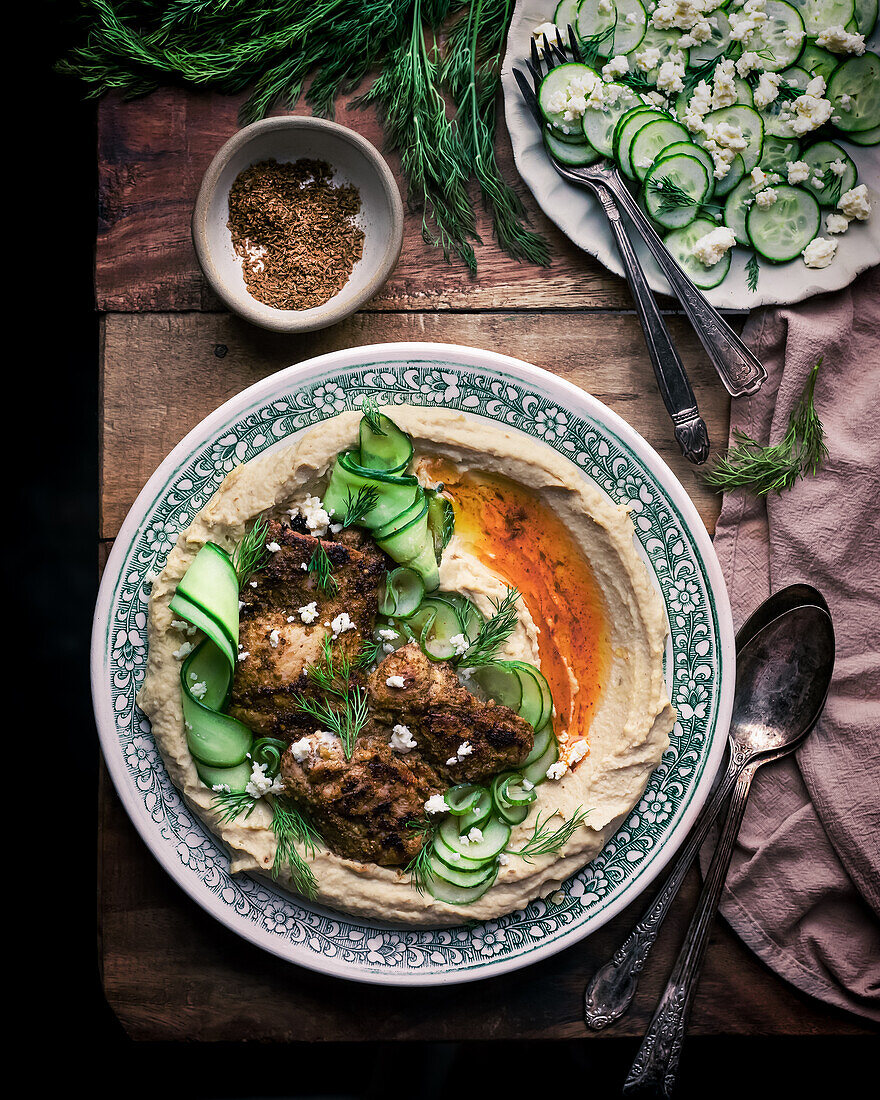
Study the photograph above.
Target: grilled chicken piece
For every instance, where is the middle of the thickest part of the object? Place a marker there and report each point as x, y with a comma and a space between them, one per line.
443, 715
278, 642
361, 806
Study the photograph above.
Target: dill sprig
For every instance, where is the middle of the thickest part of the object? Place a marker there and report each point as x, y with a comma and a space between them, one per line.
493, 633
418, 867
753, 271
672, 196
547, 841
357, 505
321, 568
251, 554
369, 653
771, 469
372, 415
343, 710
593, 48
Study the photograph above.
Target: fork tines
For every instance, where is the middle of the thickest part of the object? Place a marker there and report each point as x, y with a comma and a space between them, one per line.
551, 54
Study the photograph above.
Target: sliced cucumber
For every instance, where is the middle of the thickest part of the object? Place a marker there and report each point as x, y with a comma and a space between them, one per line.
441, 519
453, 877
736, 209
650, 140
781, 232
632, 21
557, 80
542, 740
565, 15
235, 778
461, 863
779, 153
536, 771
666, 41
749, 122
451, 894
532, 706
593, 20
500, 682
478, 815
819, 62
858, 78
211, 584
573, 156
864, 137
689, 177
495, 835
865, 16
462, 798
734, 174
215, 739
680, 244
819, 14
598, 126
387, 449
768, 40
689, 149
716, 43
775, 115
625, 132
820, 157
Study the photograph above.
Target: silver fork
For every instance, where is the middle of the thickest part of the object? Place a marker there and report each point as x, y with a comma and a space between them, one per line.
740, 371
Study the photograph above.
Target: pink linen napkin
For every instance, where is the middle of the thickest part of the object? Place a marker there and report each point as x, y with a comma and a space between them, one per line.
804, 887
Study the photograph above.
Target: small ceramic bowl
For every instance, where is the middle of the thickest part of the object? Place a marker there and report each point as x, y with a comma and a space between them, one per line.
355, 161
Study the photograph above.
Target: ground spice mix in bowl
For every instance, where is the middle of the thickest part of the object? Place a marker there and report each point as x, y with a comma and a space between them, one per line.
295, 231
298, 223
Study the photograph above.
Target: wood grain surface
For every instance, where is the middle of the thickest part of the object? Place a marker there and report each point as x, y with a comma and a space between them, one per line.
169, 357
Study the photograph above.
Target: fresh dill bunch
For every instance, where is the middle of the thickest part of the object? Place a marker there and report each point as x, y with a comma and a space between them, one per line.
343, 710
493, 633
419, 866
761, 470
372, 415
321, 568
753, 271
292, 828
251, 554
547, 841
357, 505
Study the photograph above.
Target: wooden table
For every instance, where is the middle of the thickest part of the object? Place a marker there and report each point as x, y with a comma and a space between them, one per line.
170, 356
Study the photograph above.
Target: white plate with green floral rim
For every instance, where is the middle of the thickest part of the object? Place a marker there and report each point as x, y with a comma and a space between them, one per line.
581, 219
670, 538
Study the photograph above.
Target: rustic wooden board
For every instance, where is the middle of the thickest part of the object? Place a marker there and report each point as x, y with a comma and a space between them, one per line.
162, 375
153, 153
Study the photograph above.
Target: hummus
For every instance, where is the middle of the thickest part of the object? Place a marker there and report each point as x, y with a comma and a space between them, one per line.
630, 721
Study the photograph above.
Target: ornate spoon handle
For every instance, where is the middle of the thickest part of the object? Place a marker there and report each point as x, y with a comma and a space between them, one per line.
654, 1070
613, 987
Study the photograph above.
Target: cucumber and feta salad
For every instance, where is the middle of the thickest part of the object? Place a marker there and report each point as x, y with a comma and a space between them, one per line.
743, 116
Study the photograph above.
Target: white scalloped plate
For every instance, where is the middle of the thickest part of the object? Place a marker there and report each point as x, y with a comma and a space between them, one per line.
580, 218
670, 538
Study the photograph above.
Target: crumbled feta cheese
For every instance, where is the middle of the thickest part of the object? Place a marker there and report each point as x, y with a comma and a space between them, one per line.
185, 649
617, 66
402, 740
766, 90
836, 223
723, 141
260, 783
743, 23
300, 749
838, 167
724, 92
816, 87
648, 59
844, 102
748, 62
200, 689
244, 654
582, 91
309, 612
698, 105
700, 32
341, 623
683, 14
272, 547
838, 40
184, 627
527, 785
557, 770
313, 512
712, 246
387, 634
818, 182
436, 804
759, 179
766, 198
504, 859
605, 7
810, 112
550, 30
274, 639
395, 681
670, 78
464, 749
819, 252
460, 644
855, 203
798, 171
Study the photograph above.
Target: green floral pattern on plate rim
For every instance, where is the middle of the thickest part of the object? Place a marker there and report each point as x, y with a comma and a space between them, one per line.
672, 541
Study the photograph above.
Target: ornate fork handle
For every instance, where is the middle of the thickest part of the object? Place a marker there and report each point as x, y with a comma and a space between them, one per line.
675, 388
654, 1070
740, 371
613, 987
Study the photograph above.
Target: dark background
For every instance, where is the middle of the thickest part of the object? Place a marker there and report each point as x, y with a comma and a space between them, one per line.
52, 556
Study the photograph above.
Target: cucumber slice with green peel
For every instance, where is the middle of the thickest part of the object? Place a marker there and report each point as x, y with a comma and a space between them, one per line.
402, 633
532, 706
215, 739
650, 140
478, 815
865, 16
211, 584
820, 157
689, 149
768, 39
207, 665
680, 244
451, 894
536, 771
569, 154
403, 544
395, 491
715, 44
778, 153
389, 451
235, 779
593, 19
198, 617
736, 209
598, 126
470, 617
819, 14
508, 790
402, 593
565, 15
462, 798
864, 137
859, 79
454, 833
781, 232
734, 175
460, 863
632, 22
775, 115
666, 41
435, 624
425, 564
441, 520
500, 682
558, 80
625, 133
543, 737
452, 876
674, 189
414, 510
817, 61
748, 120
573, 137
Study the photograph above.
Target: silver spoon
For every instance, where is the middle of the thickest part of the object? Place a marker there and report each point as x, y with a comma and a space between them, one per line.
783, 675
612, 988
